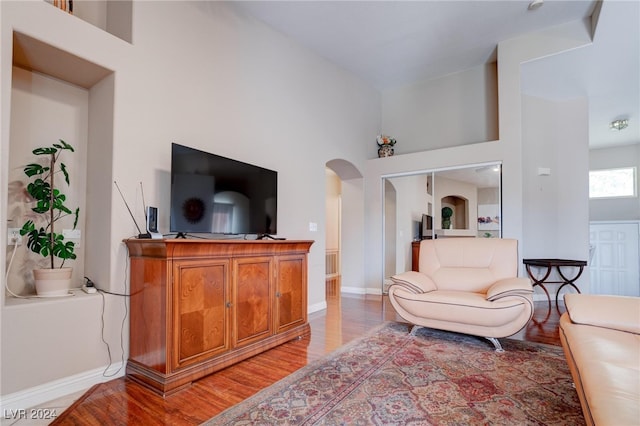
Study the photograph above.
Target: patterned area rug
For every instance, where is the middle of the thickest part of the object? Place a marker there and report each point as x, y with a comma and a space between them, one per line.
390, 377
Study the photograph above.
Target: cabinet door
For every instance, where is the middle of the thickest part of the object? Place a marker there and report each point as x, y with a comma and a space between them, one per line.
252, 305
200, 310
291, 292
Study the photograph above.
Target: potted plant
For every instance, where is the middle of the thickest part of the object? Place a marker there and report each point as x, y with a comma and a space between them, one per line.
447, 212
42, 237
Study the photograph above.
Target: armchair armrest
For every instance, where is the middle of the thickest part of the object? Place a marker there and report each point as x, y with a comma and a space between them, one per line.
515, 286
614, 312
414, 282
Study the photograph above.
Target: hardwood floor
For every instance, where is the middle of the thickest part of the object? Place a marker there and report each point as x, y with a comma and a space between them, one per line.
123, 402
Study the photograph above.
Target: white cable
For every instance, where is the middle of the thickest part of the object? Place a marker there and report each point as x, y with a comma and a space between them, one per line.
124, 320
6, 280
6, 277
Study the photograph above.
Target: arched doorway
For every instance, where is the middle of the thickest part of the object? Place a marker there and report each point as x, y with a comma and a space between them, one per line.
344, 260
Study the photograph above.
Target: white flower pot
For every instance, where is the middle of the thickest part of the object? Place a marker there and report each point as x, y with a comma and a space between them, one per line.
52, 282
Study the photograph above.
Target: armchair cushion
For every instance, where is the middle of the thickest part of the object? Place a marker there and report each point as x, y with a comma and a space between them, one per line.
414, 282
509, 287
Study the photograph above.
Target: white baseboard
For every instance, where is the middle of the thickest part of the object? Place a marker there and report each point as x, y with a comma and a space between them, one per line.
317, 307
38, 395
360, 290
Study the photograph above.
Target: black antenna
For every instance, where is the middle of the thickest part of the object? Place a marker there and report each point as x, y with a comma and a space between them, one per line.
144, 206
127, 205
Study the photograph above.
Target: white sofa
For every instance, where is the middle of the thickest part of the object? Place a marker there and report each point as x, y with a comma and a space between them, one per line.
465, 285
601, 340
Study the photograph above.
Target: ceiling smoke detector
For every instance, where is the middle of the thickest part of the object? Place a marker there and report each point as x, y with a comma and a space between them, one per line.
619, 124
535, 4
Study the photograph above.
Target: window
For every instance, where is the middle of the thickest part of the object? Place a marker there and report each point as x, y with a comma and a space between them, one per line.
611, 183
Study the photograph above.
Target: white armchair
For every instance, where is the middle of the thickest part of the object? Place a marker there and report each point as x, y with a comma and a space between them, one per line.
465, 285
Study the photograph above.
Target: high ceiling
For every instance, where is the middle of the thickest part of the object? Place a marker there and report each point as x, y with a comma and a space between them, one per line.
394, 43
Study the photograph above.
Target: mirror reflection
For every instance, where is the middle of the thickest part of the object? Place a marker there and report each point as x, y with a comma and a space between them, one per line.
457, 202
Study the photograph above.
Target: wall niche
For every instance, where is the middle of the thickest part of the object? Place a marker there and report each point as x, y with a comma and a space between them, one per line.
112, 16
58, 95
460, 206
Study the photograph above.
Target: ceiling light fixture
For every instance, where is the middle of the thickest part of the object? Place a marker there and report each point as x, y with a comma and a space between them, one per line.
619, 124
535, 4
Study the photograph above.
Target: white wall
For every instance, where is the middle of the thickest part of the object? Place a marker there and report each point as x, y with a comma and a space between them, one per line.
332, 209
201, 75
512, 54
460, 108
410, 204
615, 208
556, 214
352, 254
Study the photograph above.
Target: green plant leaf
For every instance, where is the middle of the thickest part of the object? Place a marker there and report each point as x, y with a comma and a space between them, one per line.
35, 169
45, 151
41, 207
63, 208
75, 221
38, 239
27, 227
66, 146
63, 168
63, 250
39, 189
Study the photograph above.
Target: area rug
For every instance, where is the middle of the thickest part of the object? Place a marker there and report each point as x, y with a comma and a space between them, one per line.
390, 377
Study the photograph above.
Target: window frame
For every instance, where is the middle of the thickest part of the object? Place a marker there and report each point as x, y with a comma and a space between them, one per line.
634, 179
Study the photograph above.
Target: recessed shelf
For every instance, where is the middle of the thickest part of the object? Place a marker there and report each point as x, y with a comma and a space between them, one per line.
113, 17
26, 301
34, 55
455, 233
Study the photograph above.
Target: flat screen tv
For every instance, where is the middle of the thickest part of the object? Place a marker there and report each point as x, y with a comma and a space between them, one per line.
426, 230
219, 195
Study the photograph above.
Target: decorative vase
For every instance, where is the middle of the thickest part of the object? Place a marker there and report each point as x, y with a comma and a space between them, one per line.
385, 145
52, 282
385, 151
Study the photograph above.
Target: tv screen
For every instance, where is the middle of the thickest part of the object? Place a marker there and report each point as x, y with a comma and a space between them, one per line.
219, 195
427, 226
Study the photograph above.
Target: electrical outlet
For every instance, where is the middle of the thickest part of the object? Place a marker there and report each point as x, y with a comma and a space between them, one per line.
73, 235
14, 237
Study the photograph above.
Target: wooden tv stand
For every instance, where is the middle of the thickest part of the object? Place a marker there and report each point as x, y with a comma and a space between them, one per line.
198, 306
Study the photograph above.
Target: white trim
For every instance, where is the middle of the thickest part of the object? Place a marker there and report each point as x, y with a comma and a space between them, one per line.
317, 307
50, 391
360, 290
598, 222
353, 290
442, 169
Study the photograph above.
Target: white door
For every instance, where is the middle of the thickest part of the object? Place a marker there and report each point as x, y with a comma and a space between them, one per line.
615, 259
